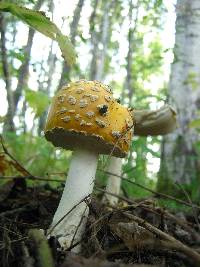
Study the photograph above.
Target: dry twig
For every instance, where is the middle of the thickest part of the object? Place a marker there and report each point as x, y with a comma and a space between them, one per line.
167, 240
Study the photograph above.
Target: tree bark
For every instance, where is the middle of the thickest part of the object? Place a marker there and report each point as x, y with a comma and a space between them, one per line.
14, 97
24, 69
73, 32
105, 28
51, 61
179, 154
128, 84
94, 41
9, 124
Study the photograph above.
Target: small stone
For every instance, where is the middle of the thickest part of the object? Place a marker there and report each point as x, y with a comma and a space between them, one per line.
90, 114
66, 118
71, 100
71, 111
83, 103
100, 123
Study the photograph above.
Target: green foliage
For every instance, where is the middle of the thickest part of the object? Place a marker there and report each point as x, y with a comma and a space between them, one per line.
18, 54
135, 169
38, 156
173, 206
195, 123
41, 23
37, 100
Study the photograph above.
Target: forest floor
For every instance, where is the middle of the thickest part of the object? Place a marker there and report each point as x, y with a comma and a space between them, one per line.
137, 233
140, 234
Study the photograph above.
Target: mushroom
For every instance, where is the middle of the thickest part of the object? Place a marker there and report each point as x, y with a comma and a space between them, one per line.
91, 129
147, 122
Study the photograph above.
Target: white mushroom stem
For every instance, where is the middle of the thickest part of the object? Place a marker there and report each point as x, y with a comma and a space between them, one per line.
114, 183
79, 184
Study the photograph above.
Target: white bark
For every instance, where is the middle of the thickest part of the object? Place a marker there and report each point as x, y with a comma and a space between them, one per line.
114, 183
179, 162
79, 184
104, 41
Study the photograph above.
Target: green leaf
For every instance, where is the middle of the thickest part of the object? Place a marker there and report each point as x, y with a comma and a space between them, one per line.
39, 21
37, 100
195, 124
2, 119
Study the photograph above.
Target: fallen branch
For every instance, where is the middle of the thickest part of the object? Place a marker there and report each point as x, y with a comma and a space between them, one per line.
32, 177
159, 211
21, 168
167, 240
157, 194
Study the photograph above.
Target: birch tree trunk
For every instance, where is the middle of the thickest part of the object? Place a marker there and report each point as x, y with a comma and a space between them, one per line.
94, 41
179, 161
105, 29
133, 23
73, 32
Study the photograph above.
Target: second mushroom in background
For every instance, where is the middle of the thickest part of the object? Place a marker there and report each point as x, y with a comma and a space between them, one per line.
147, 122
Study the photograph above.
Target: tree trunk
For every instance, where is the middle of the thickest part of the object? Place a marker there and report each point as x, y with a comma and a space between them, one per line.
128, 84
94, 41
51, 61
14, 97
73, 32
9, 124
105, 28
24, 69
179, 154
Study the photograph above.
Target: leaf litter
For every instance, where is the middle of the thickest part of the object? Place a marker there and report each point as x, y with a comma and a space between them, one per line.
139, 233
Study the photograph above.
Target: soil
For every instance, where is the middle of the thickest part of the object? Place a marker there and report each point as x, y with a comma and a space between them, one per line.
140, 234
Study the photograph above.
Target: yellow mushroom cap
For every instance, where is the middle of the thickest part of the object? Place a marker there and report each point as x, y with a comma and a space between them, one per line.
85, 115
